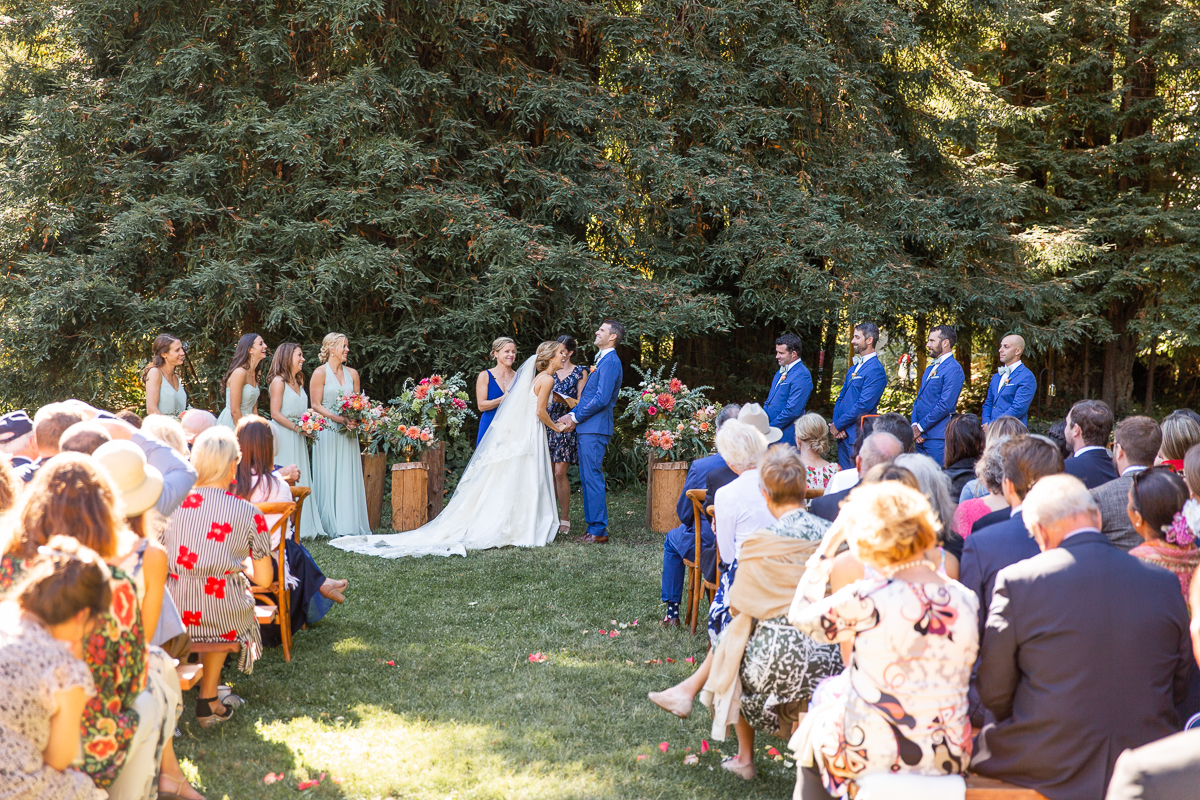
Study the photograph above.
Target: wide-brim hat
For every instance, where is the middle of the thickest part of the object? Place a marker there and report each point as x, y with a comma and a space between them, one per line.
139, 484
753, 414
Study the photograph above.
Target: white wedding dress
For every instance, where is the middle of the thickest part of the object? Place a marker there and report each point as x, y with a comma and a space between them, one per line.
505, 497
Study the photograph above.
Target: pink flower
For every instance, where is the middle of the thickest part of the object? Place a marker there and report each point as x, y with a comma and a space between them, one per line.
413, 432
652, 411
537, 658
666, 401
676, 385
424, 382
459, 404
704, 745
426, 436
690, 660
305, 785
662, 747
436, 380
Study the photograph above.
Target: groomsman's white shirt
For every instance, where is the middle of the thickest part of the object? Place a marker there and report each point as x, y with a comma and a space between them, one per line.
605, 351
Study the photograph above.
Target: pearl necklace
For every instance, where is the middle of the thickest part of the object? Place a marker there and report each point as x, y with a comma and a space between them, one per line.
891, 569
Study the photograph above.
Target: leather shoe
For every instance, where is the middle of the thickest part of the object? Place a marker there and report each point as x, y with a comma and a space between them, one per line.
590, 539
670, 622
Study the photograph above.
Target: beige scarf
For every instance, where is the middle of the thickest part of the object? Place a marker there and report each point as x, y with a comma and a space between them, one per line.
769, 568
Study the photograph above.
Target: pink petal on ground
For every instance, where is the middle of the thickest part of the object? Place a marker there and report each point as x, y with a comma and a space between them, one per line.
670, 661
663, 747
635, 623
602, 632
390, 663
690, 660
703, 745
537, 658
772, 752
613, 634
639, 758
305, 785
321, 777
269, 778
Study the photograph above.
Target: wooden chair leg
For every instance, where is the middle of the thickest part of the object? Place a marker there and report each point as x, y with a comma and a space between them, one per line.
285, 622
697, 588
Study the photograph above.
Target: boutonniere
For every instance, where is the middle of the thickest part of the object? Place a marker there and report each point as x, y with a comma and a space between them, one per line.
591, 369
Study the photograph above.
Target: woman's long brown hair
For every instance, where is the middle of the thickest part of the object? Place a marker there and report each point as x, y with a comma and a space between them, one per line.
257, 441
241, 358
281, 364
69, 496
162, 345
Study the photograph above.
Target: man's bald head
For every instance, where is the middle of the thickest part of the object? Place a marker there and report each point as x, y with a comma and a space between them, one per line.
1011, 349
878, 448
196, 421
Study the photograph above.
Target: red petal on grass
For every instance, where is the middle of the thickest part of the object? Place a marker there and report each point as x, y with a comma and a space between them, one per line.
639, 758
305, 785
670, 661
772, 752
690, 660
537, 658
663, 747
703, 745
613, 634
602, 632
270, 778
390, 663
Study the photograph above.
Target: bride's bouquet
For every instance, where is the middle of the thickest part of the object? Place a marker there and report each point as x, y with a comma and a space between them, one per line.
310, 422
679, 422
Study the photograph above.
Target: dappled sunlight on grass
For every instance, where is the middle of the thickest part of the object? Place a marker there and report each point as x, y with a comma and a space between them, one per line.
351, 644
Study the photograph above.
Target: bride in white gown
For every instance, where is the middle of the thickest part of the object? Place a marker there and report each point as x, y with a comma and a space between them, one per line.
506, 494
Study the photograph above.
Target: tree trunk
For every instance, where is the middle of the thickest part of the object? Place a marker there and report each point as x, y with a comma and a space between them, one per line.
825, 376
962, 349
1119, 354
922, 337
1151, 363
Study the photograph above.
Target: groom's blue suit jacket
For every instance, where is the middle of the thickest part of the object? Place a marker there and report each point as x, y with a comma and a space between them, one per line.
594, 412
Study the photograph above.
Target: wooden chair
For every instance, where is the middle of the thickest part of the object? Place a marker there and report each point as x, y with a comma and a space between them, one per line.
980, 788
705, 584
695, 572
189, 675
299, 493
280, 610
813, 492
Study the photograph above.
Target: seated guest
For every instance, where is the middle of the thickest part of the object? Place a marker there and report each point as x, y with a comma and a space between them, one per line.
1058, 434
740, 511
312, 594
989, 469
17, 445
10, 487
167, 430
72, 496
964, 446
874, 449
1001, 428
1156, 499
1089, 423
680, 542
895, 424
1135, 444
753, 415
1025, 460
208, 540
129, 418
1085, 653
933, 483
48, 425
196, 421
1180, 432
778, 666
812, 440
901, 705
50, 613
1168, 769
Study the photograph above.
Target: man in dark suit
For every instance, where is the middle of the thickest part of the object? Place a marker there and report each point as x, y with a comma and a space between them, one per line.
878, 448
986, 552
861, 390
1168, 769
680, 542
1089, 423
790, 388
1085, 654
938, 396
1135, 444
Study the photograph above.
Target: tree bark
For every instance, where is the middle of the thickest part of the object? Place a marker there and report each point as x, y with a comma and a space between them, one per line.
962, 349
827, 349
1151, 363
1120, 351
922, 337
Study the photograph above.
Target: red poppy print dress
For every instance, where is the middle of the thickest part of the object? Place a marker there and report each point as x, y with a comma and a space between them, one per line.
116, 655
901, 705
208, 539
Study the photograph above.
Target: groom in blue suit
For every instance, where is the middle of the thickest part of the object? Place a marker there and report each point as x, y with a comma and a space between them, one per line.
1012, 389
861, 390
592, 421
938, 396
790, 388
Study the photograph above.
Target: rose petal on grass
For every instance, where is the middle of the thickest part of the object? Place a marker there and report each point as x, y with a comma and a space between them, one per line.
271, 777
321, 777
602, 632
703, 745
613, 621
670, 661
772, 752
624, 625
305, 785
639, 758
663, 747
634, 623
613, 634
690, 660
537, 658
390, 663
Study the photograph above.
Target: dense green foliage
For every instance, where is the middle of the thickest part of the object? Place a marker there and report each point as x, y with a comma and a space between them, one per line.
427, 176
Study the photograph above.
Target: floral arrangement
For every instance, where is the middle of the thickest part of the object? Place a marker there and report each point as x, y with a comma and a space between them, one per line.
310, 422
436, 402
368, 418
1183, 527
679, 422
398, 436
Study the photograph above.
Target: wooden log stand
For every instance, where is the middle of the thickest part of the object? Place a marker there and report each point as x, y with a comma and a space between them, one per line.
434, 460
664, 485
410, 495
374, 471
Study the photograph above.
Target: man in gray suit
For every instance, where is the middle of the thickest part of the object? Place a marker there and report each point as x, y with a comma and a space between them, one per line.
1086, 653
1135, 444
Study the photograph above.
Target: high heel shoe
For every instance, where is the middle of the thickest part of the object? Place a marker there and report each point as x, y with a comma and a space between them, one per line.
210, 717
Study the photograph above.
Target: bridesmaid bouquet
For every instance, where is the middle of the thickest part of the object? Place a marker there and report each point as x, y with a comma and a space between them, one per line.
366, 415
310, 422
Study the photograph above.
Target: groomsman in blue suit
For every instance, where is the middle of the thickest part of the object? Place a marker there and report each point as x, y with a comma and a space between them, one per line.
790, 388
938, 396
1011, 390
592, 421
863, 386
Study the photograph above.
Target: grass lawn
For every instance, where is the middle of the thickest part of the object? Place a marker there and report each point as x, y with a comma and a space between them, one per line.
463, 713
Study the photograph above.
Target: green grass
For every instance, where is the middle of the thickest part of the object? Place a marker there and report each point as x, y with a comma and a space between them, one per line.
463, 713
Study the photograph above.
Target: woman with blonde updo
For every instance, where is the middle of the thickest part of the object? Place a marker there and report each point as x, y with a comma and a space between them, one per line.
492, 385
812, 440
909, 637
337, 476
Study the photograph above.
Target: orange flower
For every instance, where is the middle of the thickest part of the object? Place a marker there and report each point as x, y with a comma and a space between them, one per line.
666, 401
420, 392
703, 426
101, 748
426, 436
676, 385
413, 432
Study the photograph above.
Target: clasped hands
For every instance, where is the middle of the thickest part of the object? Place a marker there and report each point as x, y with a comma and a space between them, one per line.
566, 425
835, 433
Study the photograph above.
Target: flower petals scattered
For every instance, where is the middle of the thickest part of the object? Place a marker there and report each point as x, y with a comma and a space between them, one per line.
272, 777
772, 752
305, 785
537, 658
690, 660
704, 745
691, 760
663, 747
639, 758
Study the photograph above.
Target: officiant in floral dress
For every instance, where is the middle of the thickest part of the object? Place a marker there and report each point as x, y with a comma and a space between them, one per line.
564, 447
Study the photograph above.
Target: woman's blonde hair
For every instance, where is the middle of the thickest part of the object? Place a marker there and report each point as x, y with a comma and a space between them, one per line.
167, 429
741, 445
213, 453
499, 344
1179, 433
545, 354
813, 430
888, 523
329, 342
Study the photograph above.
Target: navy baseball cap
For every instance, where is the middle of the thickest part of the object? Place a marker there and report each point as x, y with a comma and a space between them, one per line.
14, 425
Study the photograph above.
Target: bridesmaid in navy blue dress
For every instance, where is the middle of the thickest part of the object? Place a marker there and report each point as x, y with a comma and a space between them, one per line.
492, 384
564, 447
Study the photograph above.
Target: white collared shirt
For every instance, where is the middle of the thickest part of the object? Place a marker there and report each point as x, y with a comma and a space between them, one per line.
846, 479
740, 511
1086, 529
1083, 450
603, 352
1011, 367
862, 360
785, 368
1133, 469
942, 358
1013, 511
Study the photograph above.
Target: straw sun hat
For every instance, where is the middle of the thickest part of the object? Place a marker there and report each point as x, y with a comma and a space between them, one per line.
752, 414
139, 484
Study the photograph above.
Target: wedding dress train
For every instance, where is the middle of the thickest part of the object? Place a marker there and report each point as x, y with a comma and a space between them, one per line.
505, 497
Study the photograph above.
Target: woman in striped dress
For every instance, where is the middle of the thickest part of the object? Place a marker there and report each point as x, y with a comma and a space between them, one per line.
207, 541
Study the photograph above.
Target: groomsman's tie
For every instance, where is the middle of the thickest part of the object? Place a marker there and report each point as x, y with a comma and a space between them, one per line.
1005, 374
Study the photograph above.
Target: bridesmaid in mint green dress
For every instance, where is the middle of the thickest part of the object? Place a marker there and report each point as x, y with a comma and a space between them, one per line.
241, 380
164, 389
336, 459
285, 384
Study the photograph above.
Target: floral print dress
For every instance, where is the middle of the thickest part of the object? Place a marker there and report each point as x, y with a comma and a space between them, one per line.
902, 704
819, 478
116, 655
564, 447
207, 540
